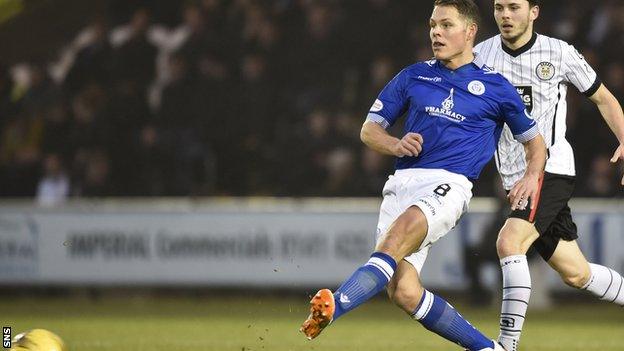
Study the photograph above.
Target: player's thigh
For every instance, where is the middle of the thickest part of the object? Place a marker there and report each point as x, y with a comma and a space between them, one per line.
440, 196
390, 208
405, 289
515, 237
405, 234
555, 193
396, 214
401, 226
443, 203
568, 260
562, 229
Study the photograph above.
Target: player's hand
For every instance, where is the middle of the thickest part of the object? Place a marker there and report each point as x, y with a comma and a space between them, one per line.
525, 190
618, 155
409, 145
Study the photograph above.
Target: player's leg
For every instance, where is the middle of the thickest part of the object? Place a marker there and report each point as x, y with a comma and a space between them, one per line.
403, 237
418, 206
513, 242
433, 312
523, 229
575, 271
559, 248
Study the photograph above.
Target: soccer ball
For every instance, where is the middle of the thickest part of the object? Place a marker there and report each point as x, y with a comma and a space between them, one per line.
38, 340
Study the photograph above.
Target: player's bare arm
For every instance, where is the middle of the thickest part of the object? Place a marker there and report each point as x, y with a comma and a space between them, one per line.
528, 186
378, 139
611, 111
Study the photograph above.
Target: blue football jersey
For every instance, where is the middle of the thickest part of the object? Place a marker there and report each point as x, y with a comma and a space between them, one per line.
460, 114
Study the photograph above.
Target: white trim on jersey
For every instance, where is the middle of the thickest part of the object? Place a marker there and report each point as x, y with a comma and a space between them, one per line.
528, 135
373, 117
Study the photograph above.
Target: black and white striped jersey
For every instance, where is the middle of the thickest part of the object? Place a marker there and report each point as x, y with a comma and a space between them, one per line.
541, 71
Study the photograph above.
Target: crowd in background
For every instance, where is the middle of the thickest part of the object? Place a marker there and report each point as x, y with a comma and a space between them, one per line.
244, 97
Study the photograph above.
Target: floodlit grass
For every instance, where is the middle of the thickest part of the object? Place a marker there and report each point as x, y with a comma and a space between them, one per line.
268, 323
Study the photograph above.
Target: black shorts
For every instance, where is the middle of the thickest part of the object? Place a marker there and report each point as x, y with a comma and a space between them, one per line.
552, 217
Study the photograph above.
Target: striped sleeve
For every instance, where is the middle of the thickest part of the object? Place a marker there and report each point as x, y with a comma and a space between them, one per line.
578, 72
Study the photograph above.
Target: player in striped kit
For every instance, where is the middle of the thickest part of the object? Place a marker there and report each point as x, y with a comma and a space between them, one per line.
541, 68
454, 111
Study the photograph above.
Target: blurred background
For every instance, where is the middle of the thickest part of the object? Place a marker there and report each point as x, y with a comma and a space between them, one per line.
213, 146
238, 98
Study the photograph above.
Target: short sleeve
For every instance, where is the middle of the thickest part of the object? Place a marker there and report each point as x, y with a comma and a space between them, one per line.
578, 72
391, 103
516, 116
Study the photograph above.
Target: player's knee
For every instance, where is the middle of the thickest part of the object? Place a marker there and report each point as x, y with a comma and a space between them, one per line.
406, 297
515, 238
506, 245
576, 279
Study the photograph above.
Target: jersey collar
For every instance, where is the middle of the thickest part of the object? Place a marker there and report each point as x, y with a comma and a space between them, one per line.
476, 62
524, 48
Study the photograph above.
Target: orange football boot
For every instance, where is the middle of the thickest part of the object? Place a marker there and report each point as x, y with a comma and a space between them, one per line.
322, 307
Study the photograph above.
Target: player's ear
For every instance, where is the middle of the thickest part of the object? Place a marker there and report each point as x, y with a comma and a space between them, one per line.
471, 31
534, 13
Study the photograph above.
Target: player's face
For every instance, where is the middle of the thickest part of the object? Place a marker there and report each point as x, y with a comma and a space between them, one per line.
451, 35
514, 18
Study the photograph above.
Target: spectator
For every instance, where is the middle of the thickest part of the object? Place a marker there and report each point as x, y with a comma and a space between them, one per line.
94, 177
54, 186
239, 97
153, 165
92, 63
8, 105
20, 153
134, 57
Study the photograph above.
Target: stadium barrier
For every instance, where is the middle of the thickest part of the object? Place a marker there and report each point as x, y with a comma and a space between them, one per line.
256, 242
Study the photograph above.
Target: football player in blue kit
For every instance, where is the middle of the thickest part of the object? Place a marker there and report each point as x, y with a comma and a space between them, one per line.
455, 109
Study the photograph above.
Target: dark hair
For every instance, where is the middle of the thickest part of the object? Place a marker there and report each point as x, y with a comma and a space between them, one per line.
466, 8
534, 2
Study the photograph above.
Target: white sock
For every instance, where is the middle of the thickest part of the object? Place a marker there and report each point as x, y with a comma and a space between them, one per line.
516, 294
606, 284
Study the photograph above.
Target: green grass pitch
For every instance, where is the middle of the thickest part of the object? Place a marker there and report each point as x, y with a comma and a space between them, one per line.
259, 323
